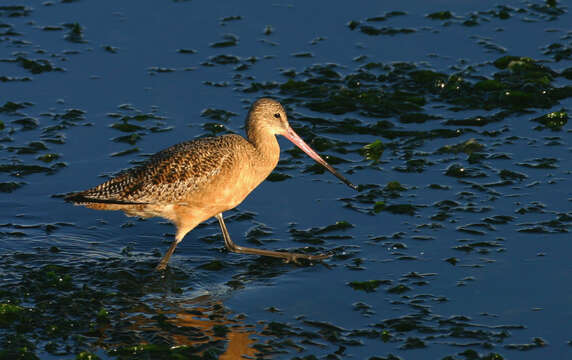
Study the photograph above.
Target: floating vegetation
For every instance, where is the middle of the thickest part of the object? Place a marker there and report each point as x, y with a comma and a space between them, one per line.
218, 114
228, 41
468, 147
554, 120
124, 126
125, 152
47, 158
224, 59
130, 139
363, 91
459, 171
399, 209
558, 51
268, 29
27, 123
276, 176
369, 285
214, 128
57, 304
186, 51
135, 124
8, 187
18, 169
511, 175
75, 33
158, 70
111, 49
542, 163
536, 342
52, 28
31, 148
461, 165
386, 16
10, 107
373, 30
416, 118
214, 265
440, 15
227, 19
320, 235
303, 55
12, 11
35, 66
373, 151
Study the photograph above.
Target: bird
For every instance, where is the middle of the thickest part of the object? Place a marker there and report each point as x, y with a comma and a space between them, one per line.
193, 181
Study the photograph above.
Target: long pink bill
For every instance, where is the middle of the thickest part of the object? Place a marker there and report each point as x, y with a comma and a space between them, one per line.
297, 140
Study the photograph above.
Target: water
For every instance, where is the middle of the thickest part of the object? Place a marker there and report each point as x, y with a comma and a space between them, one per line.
456, 246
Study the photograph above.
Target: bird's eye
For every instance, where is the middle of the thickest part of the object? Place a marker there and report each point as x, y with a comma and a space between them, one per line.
277, 115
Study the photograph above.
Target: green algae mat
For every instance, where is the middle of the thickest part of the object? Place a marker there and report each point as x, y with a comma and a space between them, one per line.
453, 118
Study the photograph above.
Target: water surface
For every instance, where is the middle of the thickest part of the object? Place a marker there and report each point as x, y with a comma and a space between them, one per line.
452, 117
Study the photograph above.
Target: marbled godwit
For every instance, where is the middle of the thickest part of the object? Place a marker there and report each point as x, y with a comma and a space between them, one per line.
193, 181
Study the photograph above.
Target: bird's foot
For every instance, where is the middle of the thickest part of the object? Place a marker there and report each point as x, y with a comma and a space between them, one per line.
162, 266
295, 257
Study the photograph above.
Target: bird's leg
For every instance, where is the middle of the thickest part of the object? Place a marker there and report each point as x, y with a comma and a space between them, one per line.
288, 257
165, 259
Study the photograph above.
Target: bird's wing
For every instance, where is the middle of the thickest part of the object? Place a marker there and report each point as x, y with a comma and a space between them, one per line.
168, 176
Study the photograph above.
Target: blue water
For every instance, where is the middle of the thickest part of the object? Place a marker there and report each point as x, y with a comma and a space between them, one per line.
524, 281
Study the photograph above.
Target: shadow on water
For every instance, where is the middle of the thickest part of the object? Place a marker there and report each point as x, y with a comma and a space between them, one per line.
453, 117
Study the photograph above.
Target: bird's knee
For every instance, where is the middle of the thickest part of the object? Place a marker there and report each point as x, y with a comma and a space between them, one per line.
231, 246
180, 235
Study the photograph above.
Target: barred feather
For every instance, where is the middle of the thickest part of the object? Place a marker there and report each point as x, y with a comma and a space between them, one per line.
168, 176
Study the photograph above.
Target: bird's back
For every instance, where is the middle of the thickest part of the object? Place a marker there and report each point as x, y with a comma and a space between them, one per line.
170, 176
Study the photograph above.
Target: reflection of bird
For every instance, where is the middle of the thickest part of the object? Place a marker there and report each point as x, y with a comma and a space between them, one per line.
193, 181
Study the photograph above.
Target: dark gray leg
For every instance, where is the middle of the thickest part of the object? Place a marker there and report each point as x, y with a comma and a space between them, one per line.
165, 259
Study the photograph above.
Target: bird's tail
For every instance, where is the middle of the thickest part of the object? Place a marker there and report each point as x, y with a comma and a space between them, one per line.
82, 198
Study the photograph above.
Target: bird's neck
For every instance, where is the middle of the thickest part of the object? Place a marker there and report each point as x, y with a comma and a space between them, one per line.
265, 144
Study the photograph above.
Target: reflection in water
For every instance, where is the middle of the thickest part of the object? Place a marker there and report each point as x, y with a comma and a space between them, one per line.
238, 340
198, 323
119, 308
456, 247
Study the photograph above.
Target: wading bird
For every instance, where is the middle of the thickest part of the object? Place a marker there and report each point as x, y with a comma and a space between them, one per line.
193, 181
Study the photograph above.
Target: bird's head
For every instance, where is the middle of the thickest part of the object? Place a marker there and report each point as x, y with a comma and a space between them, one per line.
267, 115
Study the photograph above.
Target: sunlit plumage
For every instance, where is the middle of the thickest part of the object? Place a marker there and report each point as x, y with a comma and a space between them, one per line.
193, 181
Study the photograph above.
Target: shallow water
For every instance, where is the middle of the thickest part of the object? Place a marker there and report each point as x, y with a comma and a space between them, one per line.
452, 117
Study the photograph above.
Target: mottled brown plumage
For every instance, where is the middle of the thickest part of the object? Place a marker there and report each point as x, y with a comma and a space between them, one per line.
193, 181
